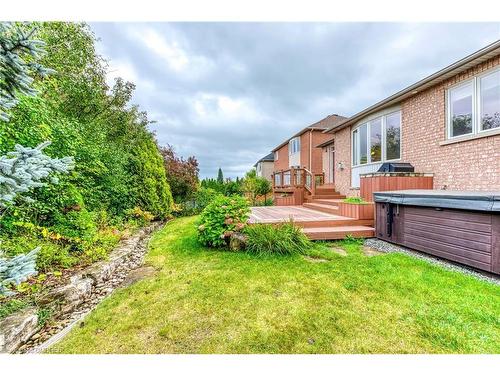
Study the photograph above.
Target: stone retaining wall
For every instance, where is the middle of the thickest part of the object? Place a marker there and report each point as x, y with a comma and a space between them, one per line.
82, 292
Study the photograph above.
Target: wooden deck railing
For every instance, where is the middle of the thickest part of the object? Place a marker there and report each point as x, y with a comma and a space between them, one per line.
297, 178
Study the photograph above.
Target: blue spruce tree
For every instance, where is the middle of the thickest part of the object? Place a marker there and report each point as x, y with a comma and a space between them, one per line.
24, 168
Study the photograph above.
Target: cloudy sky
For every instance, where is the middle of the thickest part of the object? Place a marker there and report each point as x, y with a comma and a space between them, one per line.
229, 92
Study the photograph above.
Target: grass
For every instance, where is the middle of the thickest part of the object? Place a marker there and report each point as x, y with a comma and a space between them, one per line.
206, 301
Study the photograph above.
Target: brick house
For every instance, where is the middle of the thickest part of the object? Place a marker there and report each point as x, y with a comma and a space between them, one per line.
301, 150
447, 124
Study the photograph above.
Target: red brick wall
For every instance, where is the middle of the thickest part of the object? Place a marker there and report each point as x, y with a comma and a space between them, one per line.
466, 165
317, 165
282, 162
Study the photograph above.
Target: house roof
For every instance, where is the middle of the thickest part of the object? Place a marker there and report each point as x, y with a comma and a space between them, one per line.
460, 66
327, 123
268, 157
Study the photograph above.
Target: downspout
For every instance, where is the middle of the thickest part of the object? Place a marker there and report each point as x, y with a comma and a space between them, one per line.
310, 150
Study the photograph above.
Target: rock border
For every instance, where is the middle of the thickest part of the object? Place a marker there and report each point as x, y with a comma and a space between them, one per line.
73, 300
387, 247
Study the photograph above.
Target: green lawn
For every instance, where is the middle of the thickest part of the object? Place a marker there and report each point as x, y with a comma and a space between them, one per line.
206, 301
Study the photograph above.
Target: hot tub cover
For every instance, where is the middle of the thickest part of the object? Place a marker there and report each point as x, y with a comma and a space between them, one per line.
462, 200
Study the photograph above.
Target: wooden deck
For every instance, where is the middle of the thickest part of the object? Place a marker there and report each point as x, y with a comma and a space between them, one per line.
317, 225
277, 214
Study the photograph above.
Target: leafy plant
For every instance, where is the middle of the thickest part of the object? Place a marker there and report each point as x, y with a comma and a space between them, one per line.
221, 218
354, 200
281, 239
11, 306
140, 215
255, 186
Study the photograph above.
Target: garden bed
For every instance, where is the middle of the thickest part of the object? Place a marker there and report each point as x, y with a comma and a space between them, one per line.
73, 295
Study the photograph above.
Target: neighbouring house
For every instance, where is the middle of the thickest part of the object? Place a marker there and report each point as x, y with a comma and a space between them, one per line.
301, 151
447, 125
265, 166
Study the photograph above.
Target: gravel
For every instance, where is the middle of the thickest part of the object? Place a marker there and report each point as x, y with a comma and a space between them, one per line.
388, 247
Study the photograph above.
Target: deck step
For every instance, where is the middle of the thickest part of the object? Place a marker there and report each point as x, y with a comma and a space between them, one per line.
329, 202
322, 207
326, 196
341, 232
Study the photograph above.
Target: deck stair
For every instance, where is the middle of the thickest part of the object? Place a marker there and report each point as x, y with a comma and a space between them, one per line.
326, 199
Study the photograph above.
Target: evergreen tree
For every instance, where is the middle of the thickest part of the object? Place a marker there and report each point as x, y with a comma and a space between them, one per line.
220, 177
26, 168
19, 56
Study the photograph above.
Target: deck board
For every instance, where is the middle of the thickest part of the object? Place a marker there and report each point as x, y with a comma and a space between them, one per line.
276, 214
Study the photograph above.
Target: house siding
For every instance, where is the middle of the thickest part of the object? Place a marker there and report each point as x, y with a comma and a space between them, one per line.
467, 165
266, 169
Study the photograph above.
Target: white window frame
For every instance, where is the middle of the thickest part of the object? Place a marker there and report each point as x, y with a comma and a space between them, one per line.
295, 140
383, 117
276, 155
476, 105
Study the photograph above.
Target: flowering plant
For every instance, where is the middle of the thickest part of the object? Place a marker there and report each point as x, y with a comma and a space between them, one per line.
221, 218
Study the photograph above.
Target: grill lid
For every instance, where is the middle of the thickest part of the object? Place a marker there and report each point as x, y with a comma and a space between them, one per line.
396, 167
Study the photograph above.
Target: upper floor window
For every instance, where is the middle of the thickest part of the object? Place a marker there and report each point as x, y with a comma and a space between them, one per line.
276, 155
294, 145
377, 140
474, 106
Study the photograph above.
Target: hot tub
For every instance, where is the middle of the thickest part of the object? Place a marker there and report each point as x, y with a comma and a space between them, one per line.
461, 226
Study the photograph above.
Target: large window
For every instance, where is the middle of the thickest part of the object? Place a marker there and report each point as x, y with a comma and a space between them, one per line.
461, 110
294, 145
377, 140
474, 106
393, 136
490, 100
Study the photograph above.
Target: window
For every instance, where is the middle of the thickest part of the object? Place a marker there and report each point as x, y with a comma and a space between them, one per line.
355, 140
474, 106
294, 145
377, 140
393, 136
363, 142
461, 110
276, 155
490, 101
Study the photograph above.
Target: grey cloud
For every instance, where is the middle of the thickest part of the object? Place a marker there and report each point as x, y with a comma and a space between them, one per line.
229, 92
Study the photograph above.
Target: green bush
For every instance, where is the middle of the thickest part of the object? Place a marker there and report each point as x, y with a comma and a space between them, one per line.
354, 200
281, 239
197, 204
221, 218
139, 216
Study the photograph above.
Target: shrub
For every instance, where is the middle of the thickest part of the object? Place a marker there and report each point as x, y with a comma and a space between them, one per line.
221, 218
139, 215
281, 239
354, 200
197, 204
